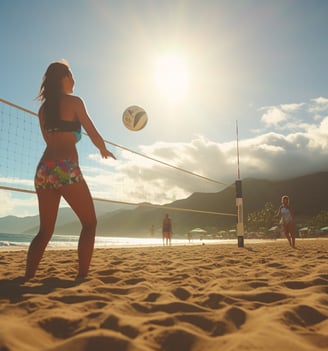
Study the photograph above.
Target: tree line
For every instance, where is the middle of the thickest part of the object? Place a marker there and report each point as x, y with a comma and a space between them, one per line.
265, 218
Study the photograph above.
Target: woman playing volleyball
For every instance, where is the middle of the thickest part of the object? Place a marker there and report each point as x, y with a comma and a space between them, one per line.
287, 220
61, 116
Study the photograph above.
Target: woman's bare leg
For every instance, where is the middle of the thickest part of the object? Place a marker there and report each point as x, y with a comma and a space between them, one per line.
293, 240
48, 208
79, 198
292, 234
286, 232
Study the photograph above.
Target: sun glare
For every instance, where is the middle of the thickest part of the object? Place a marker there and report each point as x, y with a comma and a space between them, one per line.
172, 77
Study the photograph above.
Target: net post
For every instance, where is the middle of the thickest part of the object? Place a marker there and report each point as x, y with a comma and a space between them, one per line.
240, 222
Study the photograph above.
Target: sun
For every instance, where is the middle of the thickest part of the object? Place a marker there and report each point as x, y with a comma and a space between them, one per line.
172, 77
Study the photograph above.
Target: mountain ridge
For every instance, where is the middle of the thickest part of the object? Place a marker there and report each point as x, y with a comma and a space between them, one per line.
308, 194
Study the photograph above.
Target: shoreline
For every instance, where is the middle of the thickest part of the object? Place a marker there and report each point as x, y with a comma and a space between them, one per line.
175, 243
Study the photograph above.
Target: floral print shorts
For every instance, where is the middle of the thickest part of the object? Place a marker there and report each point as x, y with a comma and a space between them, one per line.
55, 174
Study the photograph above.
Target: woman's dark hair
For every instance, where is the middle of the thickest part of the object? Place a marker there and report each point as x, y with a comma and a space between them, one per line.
50, 91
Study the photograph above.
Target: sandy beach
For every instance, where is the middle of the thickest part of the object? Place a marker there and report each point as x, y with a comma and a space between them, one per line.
265, 296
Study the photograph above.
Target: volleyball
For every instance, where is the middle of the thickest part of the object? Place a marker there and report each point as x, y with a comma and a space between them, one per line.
135, 118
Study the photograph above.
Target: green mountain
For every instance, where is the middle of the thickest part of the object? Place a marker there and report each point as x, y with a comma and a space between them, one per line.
308, 196
66, 219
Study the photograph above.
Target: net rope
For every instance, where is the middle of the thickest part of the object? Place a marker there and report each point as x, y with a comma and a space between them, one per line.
26, 141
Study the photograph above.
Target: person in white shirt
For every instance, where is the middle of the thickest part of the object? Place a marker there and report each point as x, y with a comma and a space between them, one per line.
287, 220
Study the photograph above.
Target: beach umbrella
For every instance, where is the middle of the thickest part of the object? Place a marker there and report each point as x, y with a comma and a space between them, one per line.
198, 230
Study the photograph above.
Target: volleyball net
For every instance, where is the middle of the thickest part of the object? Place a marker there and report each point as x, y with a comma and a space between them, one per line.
137, 178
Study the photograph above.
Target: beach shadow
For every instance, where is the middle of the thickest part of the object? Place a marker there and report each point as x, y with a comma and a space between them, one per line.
14, 289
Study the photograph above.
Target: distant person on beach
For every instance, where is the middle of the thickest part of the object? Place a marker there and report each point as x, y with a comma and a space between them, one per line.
167, 230
152, 230
287, 220
61, 117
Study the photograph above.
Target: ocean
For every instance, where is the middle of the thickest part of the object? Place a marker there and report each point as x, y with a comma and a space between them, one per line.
70, 241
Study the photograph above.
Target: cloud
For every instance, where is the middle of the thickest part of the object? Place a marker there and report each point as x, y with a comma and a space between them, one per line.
274, 116
276, 156
292, 107
294, 116
18, 204
6, 203
17, 182
271, 155
319, 104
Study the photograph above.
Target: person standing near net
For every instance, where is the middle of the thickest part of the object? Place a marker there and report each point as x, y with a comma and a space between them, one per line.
167, 230
287, 220
61, 116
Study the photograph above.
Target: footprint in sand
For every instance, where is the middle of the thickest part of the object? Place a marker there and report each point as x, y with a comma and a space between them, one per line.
304, 316
181, 293
113, 323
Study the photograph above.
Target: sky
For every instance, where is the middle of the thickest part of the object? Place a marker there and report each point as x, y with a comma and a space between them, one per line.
198, 68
